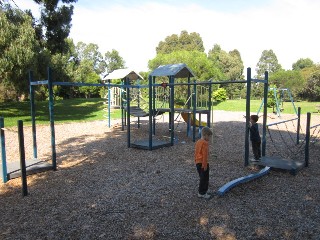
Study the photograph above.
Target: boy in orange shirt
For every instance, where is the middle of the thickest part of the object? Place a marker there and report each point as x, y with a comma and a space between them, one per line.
201, 156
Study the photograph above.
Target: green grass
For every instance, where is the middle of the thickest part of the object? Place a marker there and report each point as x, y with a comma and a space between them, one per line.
240, 105
77, 110
72, 110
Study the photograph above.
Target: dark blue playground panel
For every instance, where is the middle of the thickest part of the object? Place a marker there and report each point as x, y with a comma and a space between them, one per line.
225, 188
281, 163
32, 166
144, 144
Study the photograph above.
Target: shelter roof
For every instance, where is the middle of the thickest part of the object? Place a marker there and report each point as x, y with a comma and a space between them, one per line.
179, 70
123, 73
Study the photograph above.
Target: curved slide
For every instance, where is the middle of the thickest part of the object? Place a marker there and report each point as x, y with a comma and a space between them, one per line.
245, 179
185, 118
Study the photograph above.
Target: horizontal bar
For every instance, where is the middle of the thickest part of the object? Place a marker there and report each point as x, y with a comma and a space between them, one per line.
39, 82
315, 126
271, 124
258, 80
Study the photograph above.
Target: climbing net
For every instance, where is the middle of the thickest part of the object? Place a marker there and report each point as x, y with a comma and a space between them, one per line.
288, 140
285, 138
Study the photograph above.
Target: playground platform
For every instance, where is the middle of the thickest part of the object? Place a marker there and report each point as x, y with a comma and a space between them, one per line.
33, 166
280, 163
144, 144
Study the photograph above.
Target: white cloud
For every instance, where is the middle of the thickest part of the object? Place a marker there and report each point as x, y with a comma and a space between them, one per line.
288, 27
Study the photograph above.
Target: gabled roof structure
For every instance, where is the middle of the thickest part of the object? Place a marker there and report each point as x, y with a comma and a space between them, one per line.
123, 73
179, 70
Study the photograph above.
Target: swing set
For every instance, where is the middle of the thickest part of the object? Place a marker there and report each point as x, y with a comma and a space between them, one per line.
279, 95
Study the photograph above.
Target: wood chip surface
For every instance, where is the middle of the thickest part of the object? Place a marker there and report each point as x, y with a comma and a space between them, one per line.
104, 190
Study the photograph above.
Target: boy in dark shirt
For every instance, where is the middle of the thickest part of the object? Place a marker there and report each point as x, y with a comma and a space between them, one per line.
255, 137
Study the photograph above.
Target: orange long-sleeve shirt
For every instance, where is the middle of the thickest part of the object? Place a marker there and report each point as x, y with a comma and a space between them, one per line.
201, 154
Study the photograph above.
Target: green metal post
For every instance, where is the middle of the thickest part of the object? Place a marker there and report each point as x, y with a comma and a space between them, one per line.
3, 152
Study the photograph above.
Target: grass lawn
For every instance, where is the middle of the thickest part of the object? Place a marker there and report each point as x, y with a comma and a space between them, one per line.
75, 110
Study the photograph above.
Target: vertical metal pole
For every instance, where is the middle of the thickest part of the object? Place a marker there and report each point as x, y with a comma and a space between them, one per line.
194, 100
150, 115
139, 94
171, 80
51, 112
188, 107
246, 154
22, 159
307, 139
109, 104
152, 109
127, 82
122, 107
265, 113
3, 152
33, 115
298, 125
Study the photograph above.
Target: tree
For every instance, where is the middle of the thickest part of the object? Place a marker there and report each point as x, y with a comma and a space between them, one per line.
302, 63
18, 48
198, 62
267, 62
90, 53
186, 41
288, 79
231, 66
113, 60
56, 23
311, 89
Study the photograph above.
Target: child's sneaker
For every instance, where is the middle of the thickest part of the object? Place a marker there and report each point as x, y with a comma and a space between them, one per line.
254, 160
206, 195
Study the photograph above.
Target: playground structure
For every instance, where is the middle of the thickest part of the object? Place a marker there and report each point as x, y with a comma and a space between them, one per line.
171, 72
279, 95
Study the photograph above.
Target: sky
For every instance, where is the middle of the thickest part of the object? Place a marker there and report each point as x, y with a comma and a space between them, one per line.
135, 27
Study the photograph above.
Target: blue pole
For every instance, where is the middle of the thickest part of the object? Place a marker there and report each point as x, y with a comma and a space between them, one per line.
33, 116
22, 159
109, 105
3, 152
128, 112
188, 107
51, 112
210, 104
150, 109
265, 112
307, 139
194, 101
246, 154
171, 80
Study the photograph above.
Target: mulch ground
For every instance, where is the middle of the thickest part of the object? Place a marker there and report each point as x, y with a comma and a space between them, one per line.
104, 190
